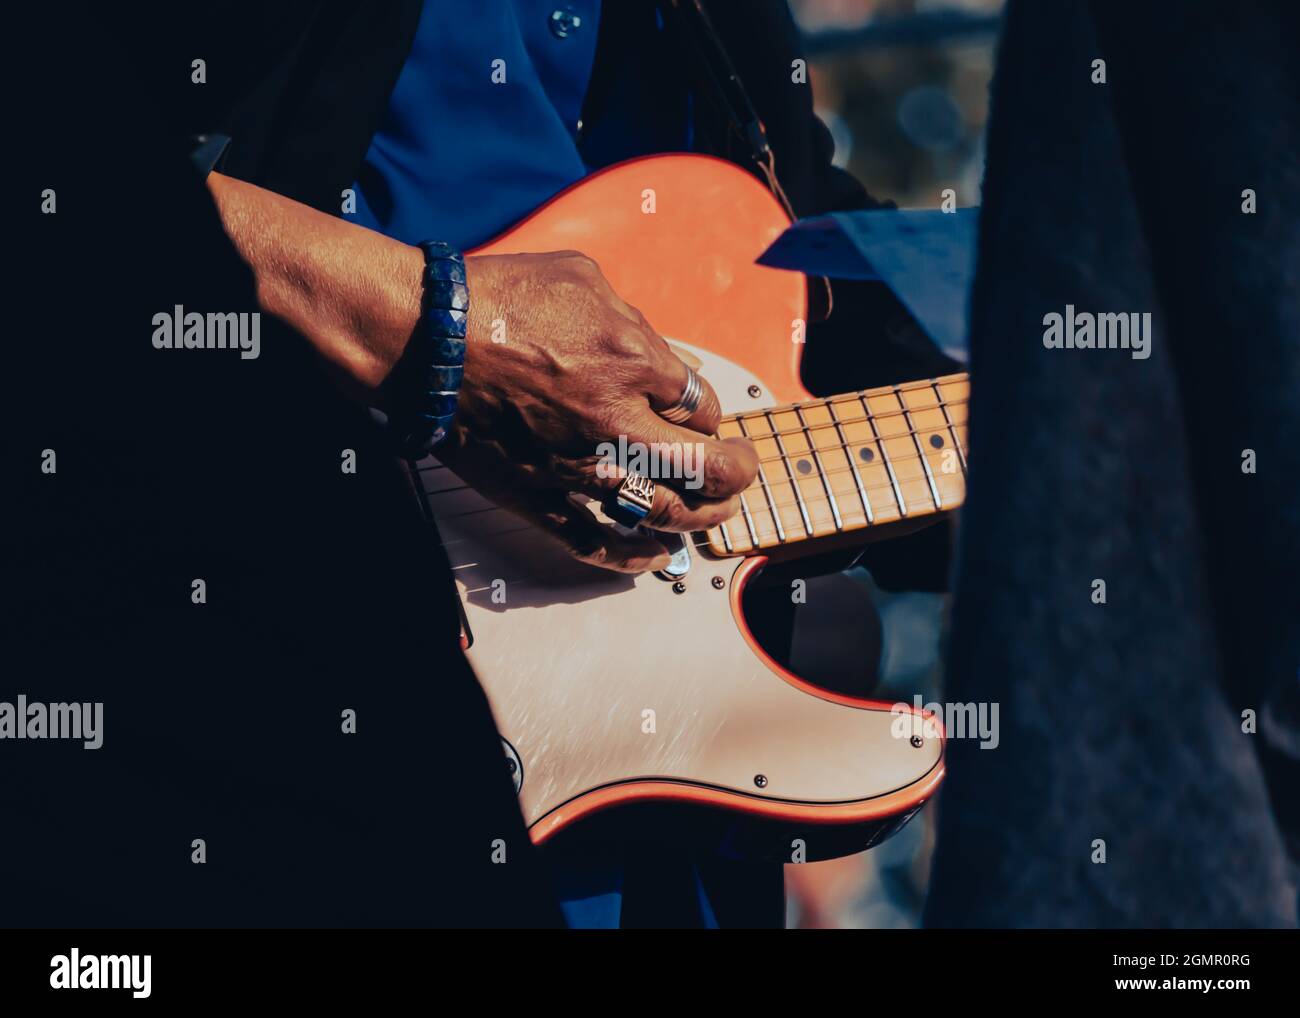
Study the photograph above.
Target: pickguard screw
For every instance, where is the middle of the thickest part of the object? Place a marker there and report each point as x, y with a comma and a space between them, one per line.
760, 780
679, 587
755, 391
917, 741
718, 582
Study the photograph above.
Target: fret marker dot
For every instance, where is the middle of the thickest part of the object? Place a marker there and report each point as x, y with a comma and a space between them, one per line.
804, 467
936, 441
867, 455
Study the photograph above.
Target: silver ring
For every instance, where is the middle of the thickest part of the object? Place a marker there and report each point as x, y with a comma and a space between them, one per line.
636, 497
687, 403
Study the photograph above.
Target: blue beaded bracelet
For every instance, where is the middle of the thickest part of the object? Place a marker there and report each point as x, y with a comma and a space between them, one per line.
428, 381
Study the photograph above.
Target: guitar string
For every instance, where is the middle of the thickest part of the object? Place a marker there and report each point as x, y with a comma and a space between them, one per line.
687, 539
846, 448
790, 504
764, 530
854, 519
900, 459
812, 427
772, 506
760, 488
691, 542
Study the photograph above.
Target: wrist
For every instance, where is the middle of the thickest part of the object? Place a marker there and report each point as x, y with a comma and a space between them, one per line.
380, 335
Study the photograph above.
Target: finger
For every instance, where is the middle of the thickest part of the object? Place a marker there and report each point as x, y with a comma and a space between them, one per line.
670, 510
594, 543
685, 356
668, 386
632, 438
667, 383
696, 465
682, 513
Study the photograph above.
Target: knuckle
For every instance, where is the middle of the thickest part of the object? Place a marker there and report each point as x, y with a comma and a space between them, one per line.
628, 344
668, 512
581, 263
569, 290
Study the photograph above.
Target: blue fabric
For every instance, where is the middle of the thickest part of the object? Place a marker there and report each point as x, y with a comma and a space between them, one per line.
460, 158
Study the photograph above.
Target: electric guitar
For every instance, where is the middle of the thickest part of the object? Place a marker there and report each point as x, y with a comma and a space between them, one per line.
611, 690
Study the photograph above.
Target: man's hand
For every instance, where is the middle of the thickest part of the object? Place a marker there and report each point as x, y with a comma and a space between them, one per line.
577, 367
558, 364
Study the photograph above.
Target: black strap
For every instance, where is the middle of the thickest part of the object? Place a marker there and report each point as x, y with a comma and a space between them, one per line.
728, 92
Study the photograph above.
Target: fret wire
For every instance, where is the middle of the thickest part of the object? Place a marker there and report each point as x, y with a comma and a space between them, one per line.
854, 523
726, 538
907, 417
857, 479
884, 456
749, 522
762, 480
821, 471
789, 472
961, 453
849, 447
841, 470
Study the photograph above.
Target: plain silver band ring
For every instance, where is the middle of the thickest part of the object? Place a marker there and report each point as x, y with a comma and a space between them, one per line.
687, 403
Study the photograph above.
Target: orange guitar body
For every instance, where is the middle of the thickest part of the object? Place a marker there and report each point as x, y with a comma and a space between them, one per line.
614, 691
687, 265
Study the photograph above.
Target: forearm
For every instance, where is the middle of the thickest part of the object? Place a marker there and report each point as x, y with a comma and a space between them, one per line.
353, 293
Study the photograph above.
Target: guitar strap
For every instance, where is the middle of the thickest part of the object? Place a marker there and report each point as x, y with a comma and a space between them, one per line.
725, 117
723, 86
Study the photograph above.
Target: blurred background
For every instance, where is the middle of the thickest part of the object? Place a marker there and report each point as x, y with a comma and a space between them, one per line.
904, 87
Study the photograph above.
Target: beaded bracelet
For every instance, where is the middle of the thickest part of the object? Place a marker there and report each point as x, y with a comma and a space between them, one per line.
429, 387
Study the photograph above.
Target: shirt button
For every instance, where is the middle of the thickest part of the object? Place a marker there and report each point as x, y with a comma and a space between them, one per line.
563, 21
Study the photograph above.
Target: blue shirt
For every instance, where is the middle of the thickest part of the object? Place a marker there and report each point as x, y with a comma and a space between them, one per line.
481, 128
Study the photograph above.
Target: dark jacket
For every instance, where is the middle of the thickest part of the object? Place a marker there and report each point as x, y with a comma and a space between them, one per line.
1162, 726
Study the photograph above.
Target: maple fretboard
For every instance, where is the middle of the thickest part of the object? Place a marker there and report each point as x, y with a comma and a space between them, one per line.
829, 466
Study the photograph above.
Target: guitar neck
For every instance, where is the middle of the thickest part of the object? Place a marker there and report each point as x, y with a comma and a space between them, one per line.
831, 466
